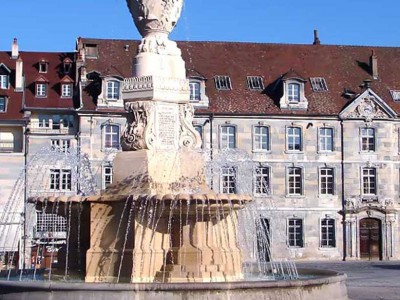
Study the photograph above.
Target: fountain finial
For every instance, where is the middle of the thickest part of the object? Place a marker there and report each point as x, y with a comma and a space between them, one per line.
155, 15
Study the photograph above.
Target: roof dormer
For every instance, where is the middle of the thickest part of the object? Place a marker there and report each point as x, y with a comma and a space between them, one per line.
41, 87
66, 87
43, 66
67, 65
293, 91
4, 77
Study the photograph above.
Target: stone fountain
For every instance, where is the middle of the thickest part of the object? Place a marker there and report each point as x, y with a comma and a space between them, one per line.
159, 226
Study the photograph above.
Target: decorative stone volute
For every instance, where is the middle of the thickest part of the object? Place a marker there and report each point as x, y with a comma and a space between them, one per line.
152, 16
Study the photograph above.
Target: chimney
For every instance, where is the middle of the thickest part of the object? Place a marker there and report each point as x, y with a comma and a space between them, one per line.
373, 64
19, 79
14, 49
316, 38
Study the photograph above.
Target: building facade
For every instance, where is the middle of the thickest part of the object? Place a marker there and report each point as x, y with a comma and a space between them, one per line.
317, 127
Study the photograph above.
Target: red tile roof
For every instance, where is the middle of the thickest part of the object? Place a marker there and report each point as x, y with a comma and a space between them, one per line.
343, 67
53, 76
14, 105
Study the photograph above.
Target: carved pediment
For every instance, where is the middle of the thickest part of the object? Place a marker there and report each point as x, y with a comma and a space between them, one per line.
368, 106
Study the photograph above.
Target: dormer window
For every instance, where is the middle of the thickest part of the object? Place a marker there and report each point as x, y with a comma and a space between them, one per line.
43, 66
255, 83
4, 77
41, 90
66, 90
318, 84
293, 92
194, 90
91, 51
3, 104
67, 65
113, 90
4, 82
223, 83
66, 87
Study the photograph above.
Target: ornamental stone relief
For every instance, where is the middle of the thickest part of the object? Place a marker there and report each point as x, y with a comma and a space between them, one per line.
368, 110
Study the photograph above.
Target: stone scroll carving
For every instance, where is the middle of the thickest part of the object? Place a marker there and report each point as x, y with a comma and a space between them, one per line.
138, 134
190, 138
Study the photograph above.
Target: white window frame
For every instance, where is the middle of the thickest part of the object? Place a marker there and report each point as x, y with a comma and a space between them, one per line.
228, 180
326, 179
261, 138
43, 67
113, 89
324, 139
368, 140
107, 178
262, 181
227, 138
3, 107
66, 90
50, 223
109, 135
60, 180
223, 82
293, 96
4, 82
255, 83
62, 145
298, 230
291, 138
325, 229
395, 95
297, 188
369, 181
41, 90
195, 90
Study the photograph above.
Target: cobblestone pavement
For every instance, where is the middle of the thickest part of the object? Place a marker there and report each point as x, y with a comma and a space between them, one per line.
365, 280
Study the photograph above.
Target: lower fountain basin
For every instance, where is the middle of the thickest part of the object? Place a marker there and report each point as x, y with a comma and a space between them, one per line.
317, 284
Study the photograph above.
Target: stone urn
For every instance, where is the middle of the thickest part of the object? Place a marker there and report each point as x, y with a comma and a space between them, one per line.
155, 16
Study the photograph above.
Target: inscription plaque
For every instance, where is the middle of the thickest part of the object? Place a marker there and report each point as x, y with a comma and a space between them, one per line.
167, 125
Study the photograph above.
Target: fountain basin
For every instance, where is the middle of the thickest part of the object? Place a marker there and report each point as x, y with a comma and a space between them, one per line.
317, 284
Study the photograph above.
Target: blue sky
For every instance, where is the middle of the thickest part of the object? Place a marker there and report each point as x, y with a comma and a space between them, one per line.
53, 25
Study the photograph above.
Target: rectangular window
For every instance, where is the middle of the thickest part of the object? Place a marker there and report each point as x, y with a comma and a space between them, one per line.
294, 92
91, 51
3, 103
395, 95
107, 175
326, 181
66, 90
295, 233
295, 184
4, 82
326, 139
228, 180
369, 181
43, 67
318, 84
111, 136
113, 90
262, 181
6, 142
368, 139
294, 140
194, 91
228, 137
255, 83
61, 144
328, 239
50, 223
261, 138
60, 180
41, 90
222, 83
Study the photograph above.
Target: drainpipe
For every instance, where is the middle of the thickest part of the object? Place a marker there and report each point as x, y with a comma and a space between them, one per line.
343, 190
24, 229
211, 148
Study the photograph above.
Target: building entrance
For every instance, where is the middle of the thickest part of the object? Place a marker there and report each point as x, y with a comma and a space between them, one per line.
370, 239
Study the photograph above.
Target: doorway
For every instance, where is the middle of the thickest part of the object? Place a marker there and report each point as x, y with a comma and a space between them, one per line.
370, 239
